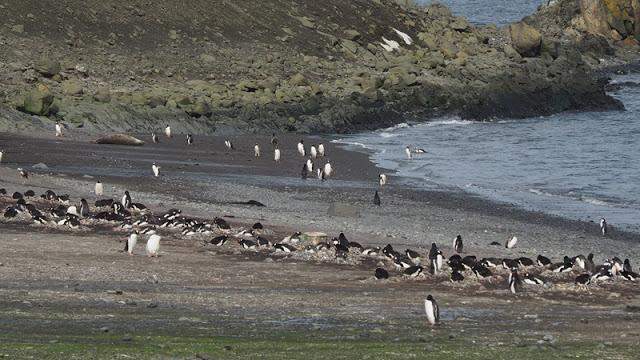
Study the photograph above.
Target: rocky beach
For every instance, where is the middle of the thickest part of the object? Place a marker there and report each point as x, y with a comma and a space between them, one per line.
238, 72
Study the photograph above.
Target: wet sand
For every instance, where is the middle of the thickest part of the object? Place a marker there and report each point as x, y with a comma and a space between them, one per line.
63, 280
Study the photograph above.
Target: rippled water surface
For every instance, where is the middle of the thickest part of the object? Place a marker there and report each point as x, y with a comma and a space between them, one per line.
499, 12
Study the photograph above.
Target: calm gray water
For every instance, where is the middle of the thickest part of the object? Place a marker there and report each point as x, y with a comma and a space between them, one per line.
577, 165
499, 12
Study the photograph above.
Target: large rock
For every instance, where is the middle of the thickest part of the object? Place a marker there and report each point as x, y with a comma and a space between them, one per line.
120, 139
525, 39
48, 67
38, 101
594, 15
72, 87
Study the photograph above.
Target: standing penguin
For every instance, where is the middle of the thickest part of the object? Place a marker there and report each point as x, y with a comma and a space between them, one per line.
407, 151
156, 169
457, 244
310, 165
301, 149
99, 189
228, 144
58, 129
256, 150
84, 208
274, 140
1, 153
603, 226
189, 139
153, 245
313, 151
511, 243
514, 281
23, 173
304, 172
321, 150
154, 138
328, 170
320, 173
382, 179
432, 310
126, 200
131, 242
276, 155
167, 131
376, 199
435, 257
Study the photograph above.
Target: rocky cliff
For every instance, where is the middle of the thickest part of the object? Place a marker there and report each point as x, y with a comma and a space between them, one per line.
294, 65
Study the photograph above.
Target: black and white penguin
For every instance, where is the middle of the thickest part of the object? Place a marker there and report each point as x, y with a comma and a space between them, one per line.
432, 310
629, 275
491, 262
389, 252
3, 191
525, 261
274, 140
131, 242
284, 248
414, 256
355, 246
154, 138
371, 251
322, 246
228, 144
402, 262
219, 240
382, 179
16, 195
602, 275
138, 207
583, 279
155, 169
565, 266
321, 152
167, 131
456, 276
603, 226
189, 139
276, 154
126, 200
419, 151
510, 264
376, 198
627, 266
309, 164
23, 173
247, 244
84, 208
29, 193
436, 258
221, 223
469, 261
327, 170
256, 150
301, 149
514, 281
381, 273
457, 244
481, 271
511, 243
10, 212
543, 260
407, 151
313, 151
261, 241
413, 271
58, 129
532, 279
153, 245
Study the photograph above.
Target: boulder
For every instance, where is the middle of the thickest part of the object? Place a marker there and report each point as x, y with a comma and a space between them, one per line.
352, 34
199, 109
119, 139
525, 39
594, 16
460, 24
38, 101
48, 67
72, 87
102, 95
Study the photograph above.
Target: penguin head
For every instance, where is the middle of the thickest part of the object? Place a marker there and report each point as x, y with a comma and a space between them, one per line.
429, 297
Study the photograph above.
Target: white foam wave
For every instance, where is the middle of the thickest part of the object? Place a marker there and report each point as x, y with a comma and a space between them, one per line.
352, 143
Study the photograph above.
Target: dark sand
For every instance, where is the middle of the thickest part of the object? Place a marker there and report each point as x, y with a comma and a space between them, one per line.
56, 283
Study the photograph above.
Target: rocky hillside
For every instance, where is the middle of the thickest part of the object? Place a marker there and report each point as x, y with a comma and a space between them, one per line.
295, 65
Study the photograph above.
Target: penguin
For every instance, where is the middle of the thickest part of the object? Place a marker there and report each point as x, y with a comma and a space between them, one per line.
189, 139
381, 273
376, 199
301, 149
167, 131
1, 154
456, 276
328, 170
153, 243
247, 244
321, 150
131, 242
84, 208
531, 279
457, 244
23, 173
276, 155
583, 279
219, 240
228, 144
629, 275
419, 151
481, 271
407, 151
58, 129
435, 258
274, 140
469, 261
603, 226
355, 245
514, 281
126, 199
565, 266
323, 246
98, 188
156, 169
262, 241
371, 251
413, 271
3, 191
304, 173
382, 180
510, 264
511, 243
320, 174
256, 150
432, 310
627, 266
154, 138
284, 248
525, 261
313, 151
413, 256
16, 195
543, 260
309, 165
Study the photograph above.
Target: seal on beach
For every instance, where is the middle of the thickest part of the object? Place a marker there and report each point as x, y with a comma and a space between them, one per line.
256, 150
457, 244
321, 150
276, 155
189, 139
153, 245
432, 310
131, 242
376, 199
301, 149
99, 189
603, 226
511, 243
156, 169
167, 131
119, 139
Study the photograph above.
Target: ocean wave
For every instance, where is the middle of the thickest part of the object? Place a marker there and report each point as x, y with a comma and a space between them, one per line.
455, 121
395, 127
388, 135
352, 143
594, 201
540, 192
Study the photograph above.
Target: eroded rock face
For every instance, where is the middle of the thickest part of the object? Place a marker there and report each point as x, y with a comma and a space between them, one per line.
525, 39
38, 101
615, 19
